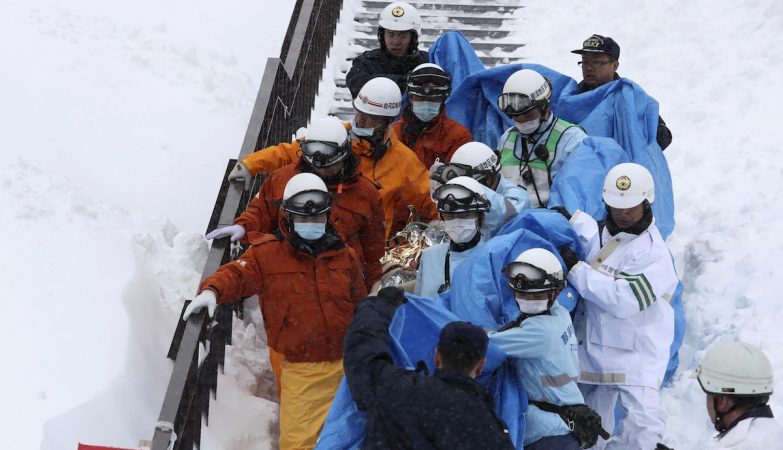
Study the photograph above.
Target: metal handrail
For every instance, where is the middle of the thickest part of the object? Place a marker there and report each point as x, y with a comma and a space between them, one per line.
283, 104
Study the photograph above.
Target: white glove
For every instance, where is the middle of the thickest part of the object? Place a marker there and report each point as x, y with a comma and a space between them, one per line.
434, 184
205, 298
236, 232
240, 173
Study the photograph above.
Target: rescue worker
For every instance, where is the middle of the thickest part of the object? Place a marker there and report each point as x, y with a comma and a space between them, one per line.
535, 148
625, 323
737, 378
424, 126
308, 283
405, 410
481, 163
462, 205
357, 212
600, 60
399, 26
400, 177
543, 346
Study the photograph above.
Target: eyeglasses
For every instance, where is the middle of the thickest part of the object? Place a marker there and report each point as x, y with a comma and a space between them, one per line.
594, 64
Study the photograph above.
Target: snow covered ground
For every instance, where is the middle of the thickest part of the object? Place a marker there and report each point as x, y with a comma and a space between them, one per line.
116, 122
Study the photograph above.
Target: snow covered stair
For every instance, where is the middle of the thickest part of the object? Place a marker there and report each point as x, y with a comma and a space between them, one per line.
490, 26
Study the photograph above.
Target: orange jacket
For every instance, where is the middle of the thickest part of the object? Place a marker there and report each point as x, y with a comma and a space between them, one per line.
307, 301
399, 175
439, 140
356, 213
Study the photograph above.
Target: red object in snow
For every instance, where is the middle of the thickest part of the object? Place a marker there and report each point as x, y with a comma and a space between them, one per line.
99, 447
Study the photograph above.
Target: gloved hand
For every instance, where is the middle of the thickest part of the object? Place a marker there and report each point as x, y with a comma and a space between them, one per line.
569, 257
562, 211
205, 298
240, 173
235, 232
435, 175
393, 294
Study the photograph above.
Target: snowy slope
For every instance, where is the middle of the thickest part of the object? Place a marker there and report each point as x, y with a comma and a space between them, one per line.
116, 122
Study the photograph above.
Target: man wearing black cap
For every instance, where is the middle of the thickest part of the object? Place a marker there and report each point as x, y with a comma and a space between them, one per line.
406, 410
600, 60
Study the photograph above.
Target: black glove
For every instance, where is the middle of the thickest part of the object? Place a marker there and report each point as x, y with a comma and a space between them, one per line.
562, 211
569, 257
393, 294
662, 447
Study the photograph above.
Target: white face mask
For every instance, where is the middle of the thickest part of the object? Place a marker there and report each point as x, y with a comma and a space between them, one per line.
361, 132
531, 307
425, 111
528, 127
460, 230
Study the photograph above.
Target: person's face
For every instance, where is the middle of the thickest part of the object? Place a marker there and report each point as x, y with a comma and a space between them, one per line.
598, 69
711, 408
533, 114
397, 42
325, 172
364, 120
321, 218
626, 217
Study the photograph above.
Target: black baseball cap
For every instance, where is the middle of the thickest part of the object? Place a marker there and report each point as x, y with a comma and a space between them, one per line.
599, 44
464, 337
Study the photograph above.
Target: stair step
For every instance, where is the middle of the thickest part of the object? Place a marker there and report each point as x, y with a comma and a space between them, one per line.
434, 32
477, 45
377, 7
454, 19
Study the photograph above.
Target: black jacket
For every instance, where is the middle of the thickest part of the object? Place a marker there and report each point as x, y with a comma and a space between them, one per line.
379, 63
406, 410
663, 135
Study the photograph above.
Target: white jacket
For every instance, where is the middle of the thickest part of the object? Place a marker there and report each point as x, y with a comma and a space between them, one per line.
751, 434
625, 323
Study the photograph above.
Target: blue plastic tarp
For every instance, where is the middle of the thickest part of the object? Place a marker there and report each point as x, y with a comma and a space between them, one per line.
456, 56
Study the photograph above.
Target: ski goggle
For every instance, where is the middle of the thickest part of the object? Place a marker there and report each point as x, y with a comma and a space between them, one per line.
451, 198
431, 86
308, 203
515, 104
323, 154
448, 171
524, 277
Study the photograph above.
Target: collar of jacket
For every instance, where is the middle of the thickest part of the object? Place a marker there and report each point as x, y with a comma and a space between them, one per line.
413, 127
370, 147
758, 411
465, 384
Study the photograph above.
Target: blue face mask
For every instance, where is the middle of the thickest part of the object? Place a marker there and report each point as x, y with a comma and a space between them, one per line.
425, 111
310, 231
361, 132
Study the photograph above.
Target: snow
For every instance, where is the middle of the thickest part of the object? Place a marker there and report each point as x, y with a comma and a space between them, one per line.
116, 124
117, 121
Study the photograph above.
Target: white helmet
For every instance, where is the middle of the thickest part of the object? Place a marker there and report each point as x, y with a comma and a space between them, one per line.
535, 270
379, 97
477, 156
735, 368
461, 194
306, 194
627, 185
524, 90
400, 16
325, 143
